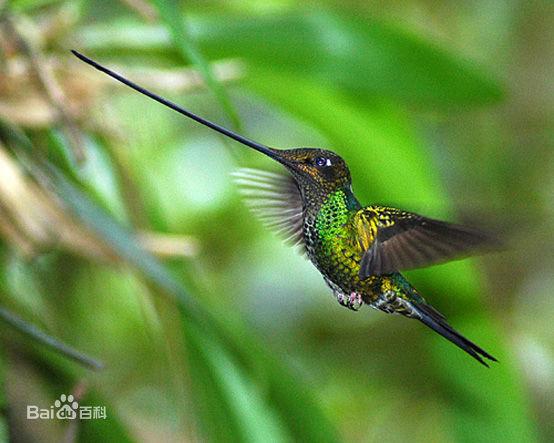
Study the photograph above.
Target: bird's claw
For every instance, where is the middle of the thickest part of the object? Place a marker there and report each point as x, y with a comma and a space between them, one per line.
353, 301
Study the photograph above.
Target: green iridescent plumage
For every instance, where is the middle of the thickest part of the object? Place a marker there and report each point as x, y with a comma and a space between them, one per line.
358, 250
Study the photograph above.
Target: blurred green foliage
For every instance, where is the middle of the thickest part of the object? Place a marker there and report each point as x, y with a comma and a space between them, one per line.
123, 236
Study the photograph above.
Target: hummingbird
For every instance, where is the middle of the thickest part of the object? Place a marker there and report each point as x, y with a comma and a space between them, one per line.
359, 250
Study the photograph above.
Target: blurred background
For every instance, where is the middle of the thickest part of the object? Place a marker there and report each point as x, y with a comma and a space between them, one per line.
123, 236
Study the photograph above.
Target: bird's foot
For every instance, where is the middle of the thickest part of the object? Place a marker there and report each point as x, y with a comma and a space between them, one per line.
352, 301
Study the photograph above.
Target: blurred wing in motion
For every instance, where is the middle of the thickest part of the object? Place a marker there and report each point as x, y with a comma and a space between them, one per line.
396, 240
275, 199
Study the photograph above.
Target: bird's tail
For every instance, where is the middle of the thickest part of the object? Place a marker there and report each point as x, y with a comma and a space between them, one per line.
397, 295
436, 321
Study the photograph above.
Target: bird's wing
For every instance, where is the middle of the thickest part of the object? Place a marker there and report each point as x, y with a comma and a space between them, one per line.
275, 199
395, 240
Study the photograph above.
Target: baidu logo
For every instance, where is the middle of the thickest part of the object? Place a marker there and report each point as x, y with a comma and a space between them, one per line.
66, 408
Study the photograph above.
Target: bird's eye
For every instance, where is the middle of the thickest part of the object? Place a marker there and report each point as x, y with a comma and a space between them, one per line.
322, 161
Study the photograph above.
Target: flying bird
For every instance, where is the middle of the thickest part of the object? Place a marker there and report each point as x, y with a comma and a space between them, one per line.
359, 250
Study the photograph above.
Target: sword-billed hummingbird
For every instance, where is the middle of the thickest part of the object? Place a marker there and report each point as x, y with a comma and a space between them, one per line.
359, 250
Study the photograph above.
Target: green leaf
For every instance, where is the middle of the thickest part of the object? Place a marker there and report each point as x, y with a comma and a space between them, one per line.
44, 339
252, 418
173, 18
28, 5
362, 56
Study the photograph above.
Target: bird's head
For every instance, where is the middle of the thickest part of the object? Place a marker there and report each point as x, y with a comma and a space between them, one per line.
313, 167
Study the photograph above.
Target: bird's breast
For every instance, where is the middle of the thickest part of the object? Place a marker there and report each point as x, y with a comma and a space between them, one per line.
331, 246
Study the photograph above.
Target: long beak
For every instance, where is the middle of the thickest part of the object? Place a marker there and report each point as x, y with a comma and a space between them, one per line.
270, 152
